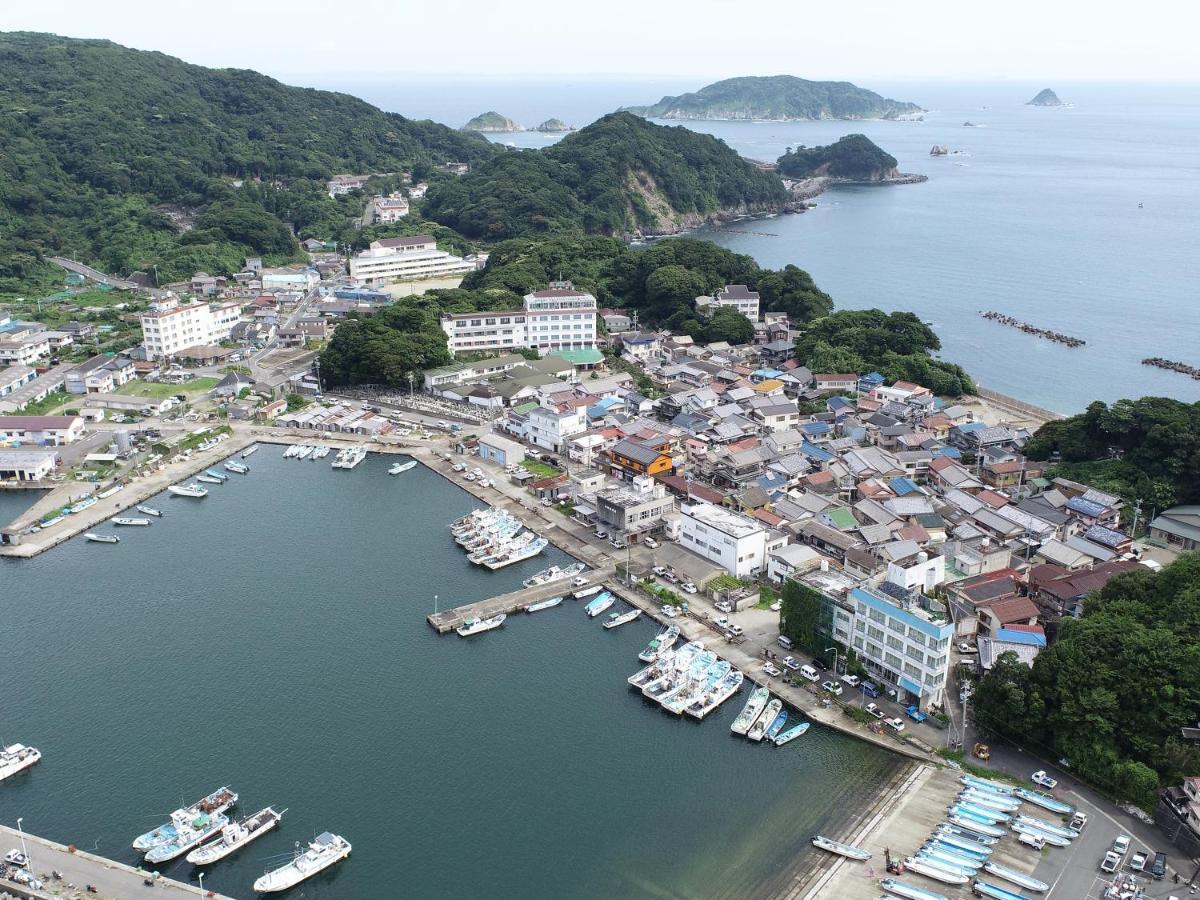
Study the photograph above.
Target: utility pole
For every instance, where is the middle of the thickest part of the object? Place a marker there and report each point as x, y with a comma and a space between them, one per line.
1137, 515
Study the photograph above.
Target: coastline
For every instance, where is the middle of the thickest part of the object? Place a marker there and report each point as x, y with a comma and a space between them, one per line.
808, 188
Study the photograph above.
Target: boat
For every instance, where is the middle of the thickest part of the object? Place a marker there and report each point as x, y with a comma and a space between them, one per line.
86, 503
250, 451
991, 801
776, 727
936, 872
909, 891
1053, 840
236, 835
989, 816
478, 626
964, 843
792, 733
759, 728
322, 853
1017, 878
948, 861
984, 889
754, 706
17, 758
951, 854
987, 783
102, 538
400, 468
305, 452
543, 604
599, 604
660, 644
704, 674
321, 452
46, 523
219, 801
220, 476
236, 467
589, 592
1050, 827
1045, 801
722, 691
847, 850
189, 490
108, 492
656, 670
615, 620
189, 834
150, 511
131, 522
208, 479
976, 836
978, 827
939, 842
680, 662
553, 573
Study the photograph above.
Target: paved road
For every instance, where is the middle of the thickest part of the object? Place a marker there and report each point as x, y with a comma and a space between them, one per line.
94, 274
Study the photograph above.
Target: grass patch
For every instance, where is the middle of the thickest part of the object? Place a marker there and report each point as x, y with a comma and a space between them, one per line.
46, 405
539, 468
159, 391
195, 440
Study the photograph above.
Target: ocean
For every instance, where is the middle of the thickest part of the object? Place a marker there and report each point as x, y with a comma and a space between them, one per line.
1081, 220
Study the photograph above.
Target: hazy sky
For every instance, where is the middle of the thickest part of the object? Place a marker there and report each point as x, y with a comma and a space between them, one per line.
1025, 40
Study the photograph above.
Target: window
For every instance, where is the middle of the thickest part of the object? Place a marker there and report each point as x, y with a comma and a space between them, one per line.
914, 653
894, 642
877, 616
893, 660
876, 633
911, 670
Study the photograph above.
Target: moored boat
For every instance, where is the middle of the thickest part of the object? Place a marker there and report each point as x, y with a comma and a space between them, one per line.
847, 850
150, 511
190, 832
792, 733
219, 801
1018, 878
751, 711
615, 620
975, 857
17, 758
236, 835
718, 694
250, 451
660, 644
947, 859
955, 839
208, 479
322, 853
102, 538
991, 801
598, 605
188, 490
236, 467
543, 604
909, 891
759, 728
776, 727
478, 626
129, 523
220, 476
400, 468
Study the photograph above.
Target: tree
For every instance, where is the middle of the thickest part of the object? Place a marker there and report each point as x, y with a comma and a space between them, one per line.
295, 402
671, 287
804, 616
727, 324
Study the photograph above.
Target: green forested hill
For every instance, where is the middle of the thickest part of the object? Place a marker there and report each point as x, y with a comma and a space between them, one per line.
618, 174
854, 157
94, 136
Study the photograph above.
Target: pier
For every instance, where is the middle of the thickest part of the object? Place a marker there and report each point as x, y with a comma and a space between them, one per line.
514, 601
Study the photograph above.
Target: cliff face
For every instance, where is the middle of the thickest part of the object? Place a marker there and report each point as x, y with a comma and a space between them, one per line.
1045, 97
492, 122
555, 126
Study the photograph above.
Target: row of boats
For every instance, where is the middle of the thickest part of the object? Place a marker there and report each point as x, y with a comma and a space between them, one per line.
689, 680
495, 539
193, 491
206, 833
478, 625
764, 718
306, 451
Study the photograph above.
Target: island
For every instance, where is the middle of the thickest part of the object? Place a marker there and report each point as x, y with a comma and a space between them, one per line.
783, 98
854, 159
1045, 97
491, 122
554, 126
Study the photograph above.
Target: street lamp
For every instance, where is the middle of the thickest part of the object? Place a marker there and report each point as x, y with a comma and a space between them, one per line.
835, 658
201, 882
24, 852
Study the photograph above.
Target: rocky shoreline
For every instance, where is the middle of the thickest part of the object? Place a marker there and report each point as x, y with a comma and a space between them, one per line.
808, 188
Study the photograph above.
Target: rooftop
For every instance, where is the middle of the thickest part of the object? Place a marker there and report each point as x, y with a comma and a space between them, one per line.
723, 520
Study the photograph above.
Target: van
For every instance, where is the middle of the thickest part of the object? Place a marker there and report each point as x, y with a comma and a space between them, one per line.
1158, 868
809, 673
869, 689
784, 641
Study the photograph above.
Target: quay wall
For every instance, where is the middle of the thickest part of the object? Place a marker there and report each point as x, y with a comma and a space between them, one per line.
1038, 414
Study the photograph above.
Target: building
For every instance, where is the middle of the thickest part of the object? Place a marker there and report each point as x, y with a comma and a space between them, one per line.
13, 378
1178, 527
734, 296
560, 318
405, 259
344, 184
792, 561
839, 382
736, 543
170, 326
27, 465
635, 511
24, 350
1026, 641
916, 569
501, 450
384, 210
100, 375
52, 431
551, 428
628, 459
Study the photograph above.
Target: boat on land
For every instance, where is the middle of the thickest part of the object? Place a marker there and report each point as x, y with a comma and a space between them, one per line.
219, 801
208, 479
598, 605
46, 523
1045, 801
720, 692
792, 733
976, 836
776, 727
108, 492
188, 490
86, 503
955, 839
992, 801
236, 467
1054, 840
751, 711
759, 728
236, 835
988, 784
973, 857
543, 604
615, 620
17, 758
979, 814
909, 891
1043, 825
131, 522
984, 889
189, 834
326, 850
102, 538
478, 626
847, 850
936, 872
250, 451
220, 476
978, 827
400, 468
947, 859
660, 644
1018, 878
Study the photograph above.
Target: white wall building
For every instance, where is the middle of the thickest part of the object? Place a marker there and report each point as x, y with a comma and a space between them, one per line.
50, 430
552, 429
736, 543
385, 210
25, 350
735, 296
403, 259
920, 572
170, 326
558, 318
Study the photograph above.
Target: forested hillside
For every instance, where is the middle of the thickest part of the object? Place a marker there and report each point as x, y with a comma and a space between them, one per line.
854, 157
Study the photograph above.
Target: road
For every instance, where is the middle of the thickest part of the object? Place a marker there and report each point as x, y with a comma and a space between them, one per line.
94, 274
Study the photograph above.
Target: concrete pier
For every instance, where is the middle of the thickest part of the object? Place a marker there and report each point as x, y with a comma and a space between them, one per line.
515, 601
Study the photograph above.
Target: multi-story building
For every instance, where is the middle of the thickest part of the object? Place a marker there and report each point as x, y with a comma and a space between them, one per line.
385, 210
405, 259
24, 350
344, 184
735, 296
15, 377
100, 375
551, 428
170, 326
736, 543
635, 511
558, 318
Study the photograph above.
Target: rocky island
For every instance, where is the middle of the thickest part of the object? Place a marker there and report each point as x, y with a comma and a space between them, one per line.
1045, 97
554, 126
492, 122
778, 98
854, 159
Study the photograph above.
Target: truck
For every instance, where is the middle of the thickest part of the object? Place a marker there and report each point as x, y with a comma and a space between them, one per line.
1078, 821
1110, 863
915, 714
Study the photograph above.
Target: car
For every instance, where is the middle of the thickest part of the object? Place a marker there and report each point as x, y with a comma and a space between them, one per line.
688, 588
670, 611
16, 858
1040, 777
734, 631
578, 581
546, 501
1110, 863
833, 687
896, 724
772, 670
724, 606
1137, 862
651, 543
659, 570
1121, 845
618, 543
915, 714
672, 577
1158, 868
851, 680
790, 662
721, 621
874, 710
869, 689
820, 663
777, 606
1030, 840
601, 533
965, 648
1078, 821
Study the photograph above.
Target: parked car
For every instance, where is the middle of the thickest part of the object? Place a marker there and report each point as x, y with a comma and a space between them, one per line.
964, 647
784, 641
772, 670
915, 714
1040, 777
670, 611
659, 570
1121, 845
617, 543
874, 710
601, 534
790, 662
734, 631
721, 622
671, 577
1078, 821
820, 663
1110, 863
724, 606
688, 588
651, 543
1137, 862
808, 673
869, 689
833, 687
851, 680
1158, 868
896, 724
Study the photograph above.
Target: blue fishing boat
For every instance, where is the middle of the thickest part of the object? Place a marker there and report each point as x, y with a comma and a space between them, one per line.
791, 734
220, 476
219, 801
977, 837
1045, 801
979, 827
1018, 878
963, 843
939, 842
602, 602
946, 862
777, 726
983, 889
909, 891
987, 784
991, 801
979, 814
189, 834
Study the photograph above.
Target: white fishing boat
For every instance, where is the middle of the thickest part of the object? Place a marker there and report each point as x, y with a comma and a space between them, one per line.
17, 758
679, 663
751, 711
763, 722
1043, 825
86, 503
236, 467
601, 603
686, 685
478, 626
236, 835
553, 573
250, 451
291, 451
969, 834
909, 891
400, 468
322, 452
848, 850
654, 671
937, 873
108, 492
190, 832
150, 511
987, 783
208, 479
131, 523
188, 490
660, 644
1045, 801
944, 859
543, 604
305, 452
978, 827
102, 538
718, 694
1017, 878
1053, 840
615, 620
518, 554
322, 853
219, 801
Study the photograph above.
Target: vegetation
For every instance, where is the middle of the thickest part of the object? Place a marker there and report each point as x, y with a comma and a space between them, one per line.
618, 174
130, 160
47, 404
159, 391
1045, 97
554, 126
854, 157
804, 618
1111, 694
1147, 449
778, 97
540, 469
492, 121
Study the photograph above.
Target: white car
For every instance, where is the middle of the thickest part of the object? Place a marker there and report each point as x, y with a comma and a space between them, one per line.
578, 581
1137, 862
1110, 863
721, 622
896, 724
874, 710
601, 534
659, 570
1121, 845
833, 687
734, 631
651, 543
618, 543
772, 670
964, 647
790, 662
688, 588
1040, 777
851, 680
724, 606
670, 611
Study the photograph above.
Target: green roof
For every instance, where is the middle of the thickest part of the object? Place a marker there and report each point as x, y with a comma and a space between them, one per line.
586, 357
842, 518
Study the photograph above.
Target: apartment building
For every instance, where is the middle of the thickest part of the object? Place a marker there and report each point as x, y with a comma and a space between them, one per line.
405, 259
558, 318
736, 543
734, 296
169, 326
25, 350
634, 512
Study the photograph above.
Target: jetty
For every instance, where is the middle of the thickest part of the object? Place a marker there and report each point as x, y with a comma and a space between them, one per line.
1056, 336
1172, 366
447, 620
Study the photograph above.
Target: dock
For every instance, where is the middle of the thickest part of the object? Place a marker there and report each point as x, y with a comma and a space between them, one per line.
514, 601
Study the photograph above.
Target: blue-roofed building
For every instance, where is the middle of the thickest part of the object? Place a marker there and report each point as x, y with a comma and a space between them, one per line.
602, 407
816, 429
1025, 641
904, 486
760, 375
839, 404
948, 452
815, 453
870, 381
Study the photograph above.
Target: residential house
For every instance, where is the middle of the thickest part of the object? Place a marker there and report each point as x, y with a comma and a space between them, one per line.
735, 542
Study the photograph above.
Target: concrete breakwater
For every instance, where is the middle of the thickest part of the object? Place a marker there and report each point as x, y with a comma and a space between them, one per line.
1056, 336
1172, 366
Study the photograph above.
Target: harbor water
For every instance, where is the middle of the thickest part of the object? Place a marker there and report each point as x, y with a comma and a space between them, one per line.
272, 637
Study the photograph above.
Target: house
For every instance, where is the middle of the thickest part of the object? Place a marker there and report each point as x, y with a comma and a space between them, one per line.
616, 321
1178, 527
501, 450
27, 465
734, 296
1009, 611
100, 375
339, 185
52, 431
635, 511
232, 385
640, 347
842, 382
735, 542
792, 561
1063, 594
628, 458
14, 377
385, 210
1026, 641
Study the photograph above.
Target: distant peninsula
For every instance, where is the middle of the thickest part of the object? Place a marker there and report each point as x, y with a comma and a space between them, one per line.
1045, 97
555, 126
778, 98
492, 122
854, 159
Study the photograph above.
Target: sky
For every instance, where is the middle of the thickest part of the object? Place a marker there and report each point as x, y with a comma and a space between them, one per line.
303, 41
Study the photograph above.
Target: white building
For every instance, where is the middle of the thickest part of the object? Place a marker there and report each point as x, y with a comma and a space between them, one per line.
49, 430
385, 210
903, 642
551, 429
558, 318
170, 326
25, 350
791, 561
735, 296
27, 465
918, 571
403, 259
14, 377
344, 184
100, 375
736, 543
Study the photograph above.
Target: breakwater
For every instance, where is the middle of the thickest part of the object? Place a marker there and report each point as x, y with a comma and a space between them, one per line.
1172, 366
1056, 336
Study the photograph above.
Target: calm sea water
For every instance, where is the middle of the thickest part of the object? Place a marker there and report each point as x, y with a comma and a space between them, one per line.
273, 637
1037, 217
